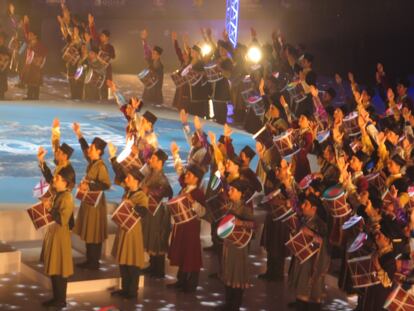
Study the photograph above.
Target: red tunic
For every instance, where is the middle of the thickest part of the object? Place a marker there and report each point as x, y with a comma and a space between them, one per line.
185, 247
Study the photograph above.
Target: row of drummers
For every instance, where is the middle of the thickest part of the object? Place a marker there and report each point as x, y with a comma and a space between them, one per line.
88, 65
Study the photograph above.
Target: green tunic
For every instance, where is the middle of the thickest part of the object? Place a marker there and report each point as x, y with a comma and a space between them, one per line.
91, 222
307, 279
235, 264
157, 228
128, 248
57, 245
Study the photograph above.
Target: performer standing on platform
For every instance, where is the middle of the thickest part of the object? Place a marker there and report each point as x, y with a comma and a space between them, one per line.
153, 58
57, 245
4, 65
157, 227
198, 92
102, 40
91, 221
128, 248
235, 261
185, 247
35, 59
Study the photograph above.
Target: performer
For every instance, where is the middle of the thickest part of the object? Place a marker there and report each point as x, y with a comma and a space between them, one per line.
128, 248
106, 48
185, 247
235, 261
4, 65
153, 58
35, 59
57, 245
156, 227
307, 279
91, 222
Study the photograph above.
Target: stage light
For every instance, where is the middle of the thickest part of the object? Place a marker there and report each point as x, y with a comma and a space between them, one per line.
206, 49
254, 54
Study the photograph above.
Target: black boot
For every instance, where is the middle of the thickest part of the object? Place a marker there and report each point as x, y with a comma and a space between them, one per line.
237, 299
96, 250
191, 282
150, 269
301, 305
60, 301
123, 271
85, 264
133, 273
181, 278
51, 301
159, 269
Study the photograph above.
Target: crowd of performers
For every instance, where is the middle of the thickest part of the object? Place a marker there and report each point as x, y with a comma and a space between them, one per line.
354, 208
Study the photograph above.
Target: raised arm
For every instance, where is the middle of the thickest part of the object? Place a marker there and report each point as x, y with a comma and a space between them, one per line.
92, 28
83, 143
177, 48
146, 46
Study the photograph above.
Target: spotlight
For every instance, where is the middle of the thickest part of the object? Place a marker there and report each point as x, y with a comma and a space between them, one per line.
254, 54
206, 49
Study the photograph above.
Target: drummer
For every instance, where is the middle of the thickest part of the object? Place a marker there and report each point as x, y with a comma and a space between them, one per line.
153, 58
57, 249
156, 228
185, 246
307, 279
235, 266
128, 248
91, 222
273, 118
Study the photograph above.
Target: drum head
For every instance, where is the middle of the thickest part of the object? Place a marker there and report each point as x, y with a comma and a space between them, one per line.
333, 192
306, 181
351, 222
143, 73
88, 76
270, 196
226, 226
372, 176
322, 136
358, 242
78, 72
351, 116
391, 297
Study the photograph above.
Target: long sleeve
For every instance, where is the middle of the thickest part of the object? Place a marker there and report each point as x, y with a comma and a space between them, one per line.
120, 99
46, 172
63, 208
119, 172
102, 181
179, 52
84, 146
147, 51
93, 32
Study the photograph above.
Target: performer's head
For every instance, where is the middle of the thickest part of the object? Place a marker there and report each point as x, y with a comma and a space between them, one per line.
148, 121
193, 175
195, 53
11, 8
237, 190
133, 179
246, 155
224, 48
304, 121
158, 159
156, 53
233, 165
357, 161
382, 240
104, 36
32, 36
93, 52
63, 153
395, 164
96, 149
64, 179
309, 205
402, 86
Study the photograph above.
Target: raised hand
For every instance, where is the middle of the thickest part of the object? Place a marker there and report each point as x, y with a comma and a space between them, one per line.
26, 20
41, 152
183, 116
77, 129
174, 148
144, 34
227, 131
55, 123
112, 150
197, 123
174, 35
212, 137
91, 19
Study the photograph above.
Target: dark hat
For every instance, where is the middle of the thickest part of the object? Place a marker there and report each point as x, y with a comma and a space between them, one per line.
401, 184
221, 139
397, 159
196, 48
404, 82
158, 49
370, 91
313, 199
99, 144
196, 171
106, 32
235, 159
240, 185
311, 78
68, 174
361, 156
136, 174
264, 136
150, 117
66, 149
331, 92
225, 45
249, 152
161, 155
309, 57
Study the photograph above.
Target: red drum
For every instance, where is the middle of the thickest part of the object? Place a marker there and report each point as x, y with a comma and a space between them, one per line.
193, 77
296, 92
154, 204
41, 188
213, 72
95, 77
352, 226
286, 143
40, 216
334, 198
129, 158
89, 197
292, 221
230, 231
306, 181
363, 273
251, 97
278, 204
148, 78
181, 209
104, 59
125, 216
71, 55
79, 72
303, 246
351, 124
217, 205
178, 79
377, 180
399, 300
359, 241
